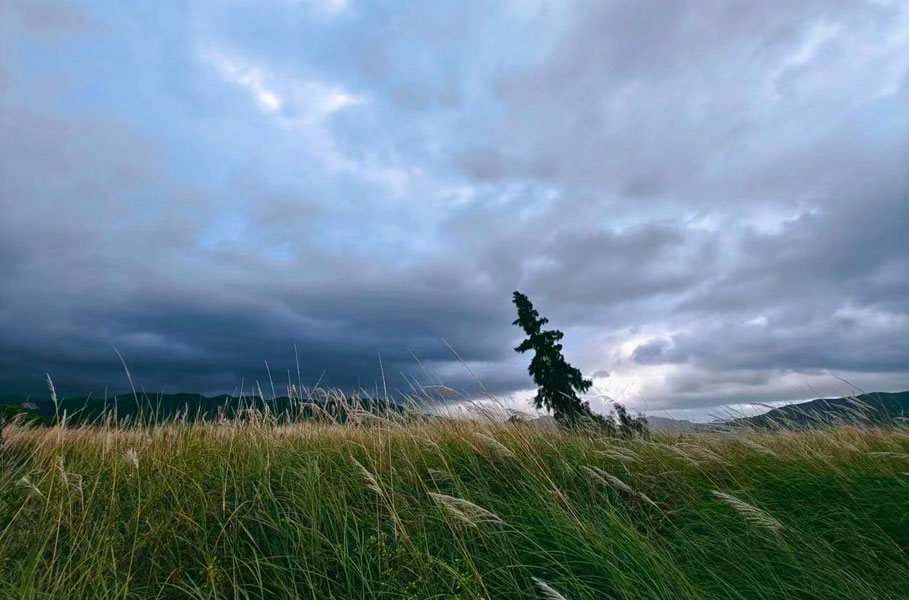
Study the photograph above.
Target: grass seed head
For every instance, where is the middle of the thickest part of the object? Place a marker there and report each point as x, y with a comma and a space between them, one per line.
752, 514
608, 479
494, 444
890, 454
756, 447
371, 481
25, 482
464, 510
132, 457
548, 590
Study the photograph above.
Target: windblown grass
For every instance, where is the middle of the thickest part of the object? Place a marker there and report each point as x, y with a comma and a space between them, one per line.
450, 509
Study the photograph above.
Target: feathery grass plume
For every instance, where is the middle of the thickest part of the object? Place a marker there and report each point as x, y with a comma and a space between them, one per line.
647, 499
605, 478
25, 482
495, 445
592, 471
620, 449
843, 445
693, 450
61, 470
371, 481
682, 454
53, 394
132, 457
746, 441
752, 514
890, 454
464, 510
64, 474
616, 455
759, 448
677, 451
548, 591
440, 474
614, 482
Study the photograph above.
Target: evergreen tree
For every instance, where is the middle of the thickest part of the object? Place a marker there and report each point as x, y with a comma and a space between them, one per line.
559, 383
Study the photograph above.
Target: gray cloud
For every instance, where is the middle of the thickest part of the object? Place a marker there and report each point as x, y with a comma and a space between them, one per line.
708, 196
657, 351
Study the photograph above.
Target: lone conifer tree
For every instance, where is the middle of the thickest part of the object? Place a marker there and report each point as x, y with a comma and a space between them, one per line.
558, 382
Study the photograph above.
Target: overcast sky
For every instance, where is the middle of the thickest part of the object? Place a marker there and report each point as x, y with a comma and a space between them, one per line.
711, 198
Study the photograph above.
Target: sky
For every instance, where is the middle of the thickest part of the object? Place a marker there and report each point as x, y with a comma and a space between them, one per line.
710, 198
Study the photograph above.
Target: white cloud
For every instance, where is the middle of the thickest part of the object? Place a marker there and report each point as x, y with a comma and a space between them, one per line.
812, 42
248, 77
299, 105
295, 100
328, 7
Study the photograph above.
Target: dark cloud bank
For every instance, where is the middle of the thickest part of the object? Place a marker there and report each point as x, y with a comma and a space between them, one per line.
711, 198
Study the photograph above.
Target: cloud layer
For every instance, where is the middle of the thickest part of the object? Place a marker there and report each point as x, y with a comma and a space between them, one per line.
710, 198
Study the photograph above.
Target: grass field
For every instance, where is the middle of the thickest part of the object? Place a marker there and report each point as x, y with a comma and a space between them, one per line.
448, 509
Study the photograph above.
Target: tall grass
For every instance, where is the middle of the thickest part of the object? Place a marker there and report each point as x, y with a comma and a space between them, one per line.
392, 508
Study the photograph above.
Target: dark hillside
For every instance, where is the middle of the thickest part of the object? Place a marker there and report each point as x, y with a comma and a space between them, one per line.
877, 408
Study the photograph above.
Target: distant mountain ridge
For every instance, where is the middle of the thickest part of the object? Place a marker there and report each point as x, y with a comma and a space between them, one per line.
668, 425
877, 408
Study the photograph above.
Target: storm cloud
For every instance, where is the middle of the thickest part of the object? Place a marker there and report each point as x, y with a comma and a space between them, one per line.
710, 198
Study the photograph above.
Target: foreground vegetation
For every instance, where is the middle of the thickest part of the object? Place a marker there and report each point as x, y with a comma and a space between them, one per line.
376, 508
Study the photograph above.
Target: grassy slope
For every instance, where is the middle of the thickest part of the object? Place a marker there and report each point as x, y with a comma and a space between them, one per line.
328, 511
